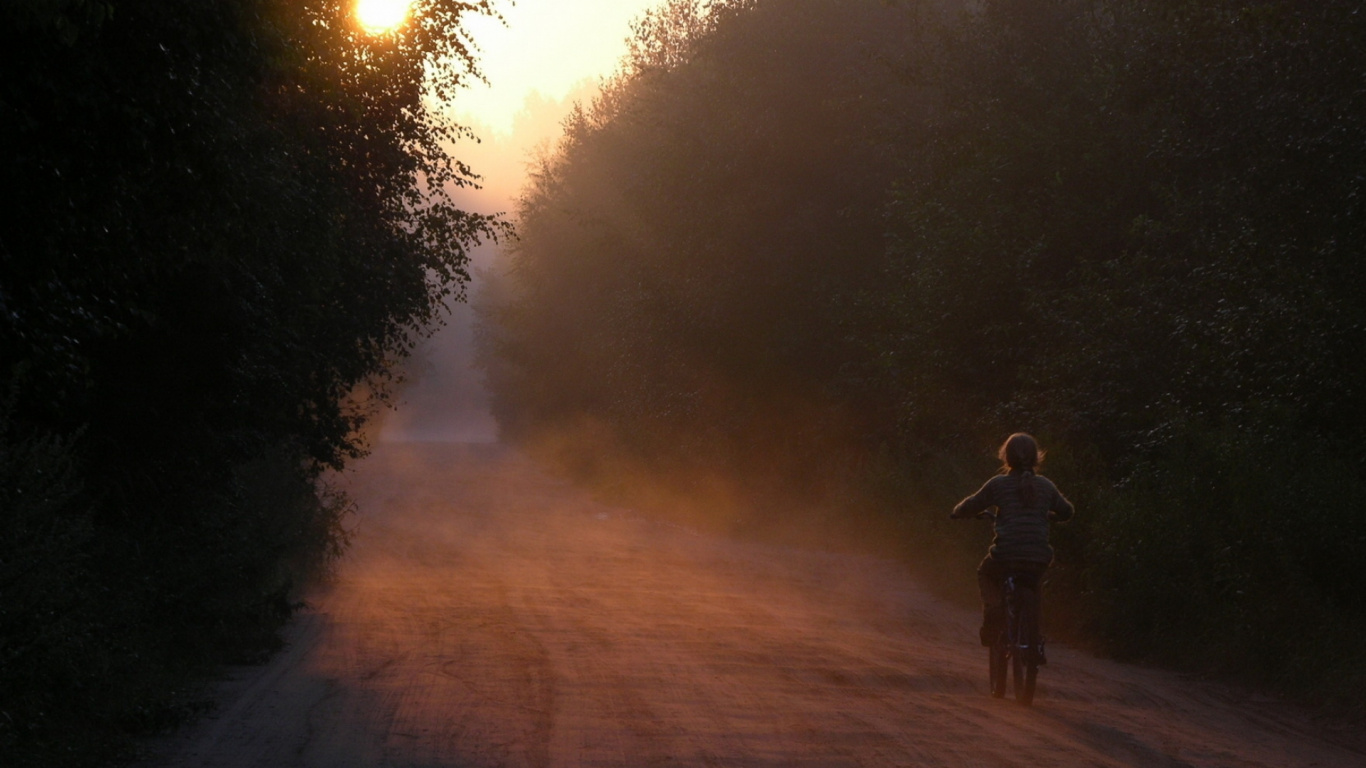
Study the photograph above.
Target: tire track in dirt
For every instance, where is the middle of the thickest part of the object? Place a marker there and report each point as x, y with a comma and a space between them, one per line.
492, 616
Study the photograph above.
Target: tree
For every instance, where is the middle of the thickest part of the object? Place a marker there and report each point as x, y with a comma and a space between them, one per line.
683, 254
227, 216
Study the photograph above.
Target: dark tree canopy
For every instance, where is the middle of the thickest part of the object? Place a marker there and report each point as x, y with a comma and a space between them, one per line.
223, 217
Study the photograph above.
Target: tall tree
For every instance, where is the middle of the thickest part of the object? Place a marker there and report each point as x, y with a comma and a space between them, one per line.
225, 217
683, 253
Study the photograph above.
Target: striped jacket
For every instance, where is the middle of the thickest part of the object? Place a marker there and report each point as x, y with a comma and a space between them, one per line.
1021, 530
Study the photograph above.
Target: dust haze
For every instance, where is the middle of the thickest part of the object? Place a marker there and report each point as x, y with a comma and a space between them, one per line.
491, 614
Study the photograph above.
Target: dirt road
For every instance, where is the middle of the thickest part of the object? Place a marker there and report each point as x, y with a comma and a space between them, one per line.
492, 616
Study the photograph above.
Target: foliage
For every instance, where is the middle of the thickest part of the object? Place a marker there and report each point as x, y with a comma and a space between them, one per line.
1134, 239
677, 255
227, 216
842, 250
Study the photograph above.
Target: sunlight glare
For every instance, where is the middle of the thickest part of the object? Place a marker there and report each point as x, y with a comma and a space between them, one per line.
378, 16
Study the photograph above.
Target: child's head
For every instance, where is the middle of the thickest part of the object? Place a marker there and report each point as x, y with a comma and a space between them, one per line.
1020, 451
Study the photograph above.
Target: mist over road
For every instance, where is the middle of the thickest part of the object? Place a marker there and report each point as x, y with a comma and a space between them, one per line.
489, 615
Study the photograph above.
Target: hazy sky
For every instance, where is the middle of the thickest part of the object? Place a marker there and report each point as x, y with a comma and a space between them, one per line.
547, 46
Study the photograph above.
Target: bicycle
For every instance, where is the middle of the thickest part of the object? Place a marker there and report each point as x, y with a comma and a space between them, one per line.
1019, 646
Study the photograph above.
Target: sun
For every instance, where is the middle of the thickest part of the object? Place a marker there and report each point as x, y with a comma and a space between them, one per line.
381, 15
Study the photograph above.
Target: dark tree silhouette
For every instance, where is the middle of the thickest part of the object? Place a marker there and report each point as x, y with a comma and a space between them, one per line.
223, 218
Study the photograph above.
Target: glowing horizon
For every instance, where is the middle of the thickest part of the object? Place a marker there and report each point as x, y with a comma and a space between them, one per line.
547, 47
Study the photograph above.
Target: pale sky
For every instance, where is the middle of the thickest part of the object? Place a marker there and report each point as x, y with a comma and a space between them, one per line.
548, 46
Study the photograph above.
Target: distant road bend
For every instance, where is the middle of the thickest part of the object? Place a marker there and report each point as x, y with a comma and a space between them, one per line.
492, 616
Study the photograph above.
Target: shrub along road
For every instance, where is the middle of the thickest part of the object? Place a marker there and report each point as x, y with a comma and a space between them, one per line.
489, 615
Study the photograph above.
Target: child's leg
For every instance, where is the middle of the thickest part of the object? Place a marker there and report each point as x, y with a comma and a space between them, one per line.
993, 610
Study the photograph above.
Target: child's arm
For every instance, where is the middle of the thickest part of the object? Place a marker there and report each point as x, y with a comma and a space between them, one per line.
978, 502
1060, 510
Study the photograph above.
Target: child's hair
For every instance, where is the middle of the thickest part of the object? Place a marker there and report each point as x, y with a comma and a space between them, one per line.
1021, 451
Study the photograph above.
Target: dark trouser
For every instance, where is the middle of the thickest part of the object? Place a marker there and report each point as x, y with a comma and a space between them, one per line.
990, 574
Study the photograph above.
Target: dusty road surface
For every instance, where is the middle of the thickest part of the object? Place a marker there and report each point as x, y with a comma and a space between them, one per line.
492, 616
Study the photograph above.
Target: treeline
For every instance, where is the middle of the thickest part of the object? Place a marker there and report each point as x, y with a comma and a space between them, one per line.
222, 219
815, 259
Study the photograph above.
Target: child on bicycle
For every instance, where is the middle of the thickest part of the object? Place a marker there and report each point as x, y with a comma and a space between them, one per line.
1026, 503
